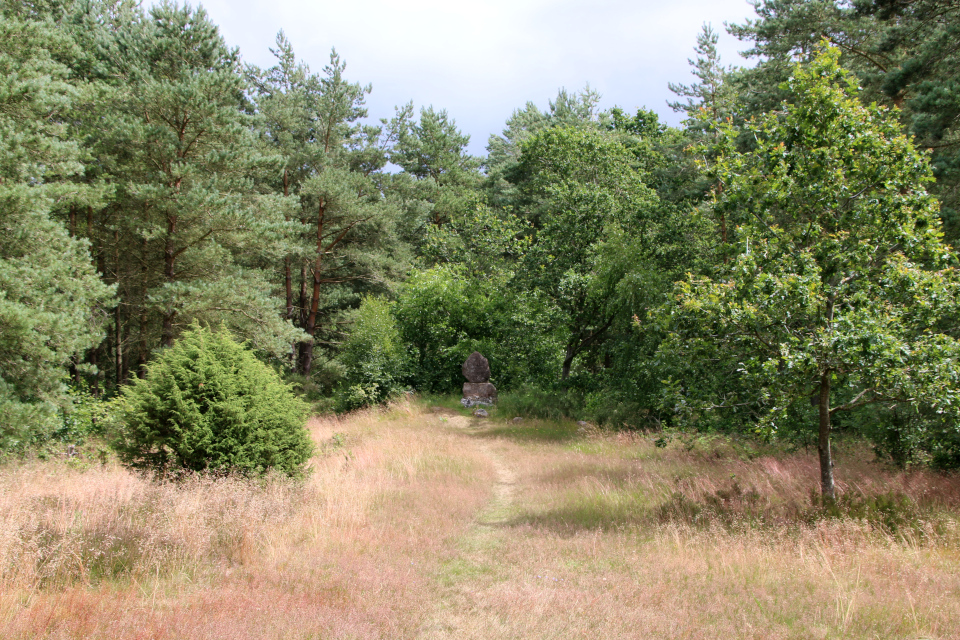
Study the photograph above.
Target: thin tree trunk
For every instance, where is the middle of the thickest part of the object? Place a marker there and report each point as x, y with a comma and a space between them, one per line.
166, 329
300, 315
169, 272
303, 295
95, 361
567, 363
287, 276
306, 347
125, 361
142, 345
75, 360
143, 350
823, 446
288, 286
573, 348
306, 357
120, 374
96, 353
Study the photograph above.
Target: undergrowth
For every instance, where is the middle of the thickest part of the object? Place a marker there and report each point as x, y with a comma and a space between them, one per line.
613, 480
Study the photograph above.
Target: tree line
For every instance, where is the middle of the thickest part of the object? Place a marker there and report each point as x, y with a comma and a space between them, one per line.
781, 265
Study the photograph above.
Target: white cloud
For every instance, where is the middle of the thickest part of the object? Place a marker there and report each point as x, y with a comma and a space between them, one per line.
481, 60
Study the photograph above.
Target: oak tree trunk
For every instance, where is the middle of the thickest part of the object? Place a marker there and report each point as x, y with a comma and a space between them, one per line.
567, 362
823, 446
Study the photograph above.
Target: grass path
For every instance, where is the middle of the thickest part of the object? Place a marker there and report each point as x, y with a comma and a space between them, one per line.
570, 546
418, 523
454, 613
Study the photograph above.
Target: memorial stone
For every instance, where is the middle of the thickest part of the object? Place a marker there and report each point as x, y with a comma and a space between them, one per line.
476, 368
477, 389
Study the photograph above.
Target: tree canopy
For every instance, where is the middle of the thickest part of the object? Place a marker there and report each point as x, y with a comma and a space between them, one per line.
781, 259
842, 280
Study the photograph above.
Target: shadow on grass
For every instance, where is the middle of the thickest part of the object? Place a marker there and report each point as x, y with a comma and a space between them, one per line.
734, 509
532, 432
637, 509
569, 520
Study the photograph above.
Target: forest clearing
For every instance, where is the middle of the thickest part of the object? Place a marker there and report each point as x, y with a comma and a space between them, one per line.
418, 521
718, 340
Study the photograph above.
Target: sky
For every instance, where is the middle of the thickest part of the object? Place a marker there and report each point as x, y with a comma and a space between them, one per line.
483, 59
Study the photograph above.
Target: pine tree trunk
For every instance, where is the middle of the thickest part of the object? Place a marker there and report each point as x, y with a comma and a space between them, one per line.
170, 260
143, 350
302, 320
287, 277
94, 359
120, 374
166, 330
306, 347
288, 286
305, 363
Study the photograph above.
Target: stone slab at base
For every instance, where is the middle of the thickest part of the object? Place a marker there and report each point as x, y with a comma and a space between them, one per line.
477, 402
478, 393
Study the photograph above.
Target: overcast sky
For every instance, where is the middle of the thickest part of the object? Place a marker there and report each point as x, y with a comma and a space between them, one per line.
481, 60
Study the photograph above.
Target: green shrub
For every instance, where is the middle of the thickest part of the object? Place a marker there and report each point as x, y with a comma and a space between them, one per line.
444, 315
87, 417
208, 404
533, 402
373, 356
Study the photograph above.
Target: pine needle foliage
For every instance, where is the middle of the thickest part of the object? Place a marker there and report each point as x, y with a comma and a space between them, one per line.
208, 404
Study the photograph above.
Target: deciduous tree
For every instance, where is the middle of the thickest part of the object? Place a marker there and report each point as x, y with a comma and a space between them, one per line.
842, 282
578, 189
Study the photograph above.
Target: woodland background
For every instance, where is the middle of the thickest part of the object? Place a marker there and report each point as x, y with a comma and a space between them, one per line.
724, 276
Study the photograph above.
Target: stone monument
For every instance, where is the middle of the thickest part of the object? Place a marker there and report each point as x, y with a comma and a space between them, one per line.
477, 389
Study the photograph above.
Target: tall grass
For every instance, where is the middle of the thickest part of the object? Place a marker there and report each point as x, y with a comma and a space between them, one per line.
631, 479
102, 552
615, 536
416, 523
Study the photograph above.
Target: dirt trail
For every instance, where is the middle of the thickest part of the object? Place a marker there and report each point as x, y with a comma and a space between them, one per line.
498, 510
452, 613
503, 489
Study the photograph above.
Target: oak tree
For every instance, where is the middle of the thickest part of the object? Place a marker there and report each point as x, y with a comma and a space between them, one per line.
837, 297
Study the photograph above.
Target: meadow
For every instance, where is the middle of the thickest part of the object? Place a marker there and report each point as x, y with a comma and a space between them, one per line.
420, 521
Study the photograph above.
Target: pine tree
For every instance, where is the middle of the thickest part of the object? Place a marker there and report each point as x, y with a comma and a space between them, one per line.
434, 152
709, 93
187, 224
341, 238
51, 300
503, 151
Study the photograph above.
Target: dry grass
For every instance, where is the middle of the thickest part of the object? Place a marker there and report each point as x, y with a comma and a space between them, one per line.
625, 480
433, 525
351, 552
614, 537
